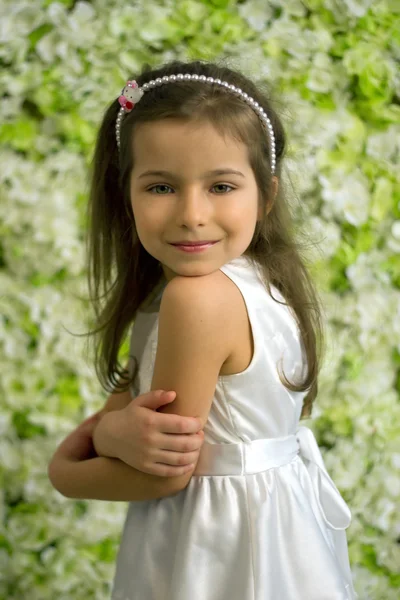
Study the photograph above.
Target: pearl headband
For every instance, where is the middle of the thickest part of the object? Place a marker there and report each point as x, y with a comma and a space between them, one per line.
132, 93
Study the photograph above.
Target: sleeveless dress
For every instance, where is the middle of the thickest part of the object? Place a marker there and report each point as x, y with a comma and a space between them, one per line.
261, 519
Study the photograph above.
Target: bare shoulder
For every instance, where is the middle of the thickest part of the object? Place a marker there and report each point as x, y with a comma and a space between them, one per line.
211, 300
209, 291
213, 297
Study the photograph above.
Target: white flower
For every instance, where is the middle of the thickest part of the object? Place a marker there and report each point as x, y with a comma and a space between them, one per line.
18, 20
257, 13
294, 8
10, 454
365, 273
357, 8
47, 46
346, 197
57, 14
82, 14
326, 235
382, 145
388, 555
321, 77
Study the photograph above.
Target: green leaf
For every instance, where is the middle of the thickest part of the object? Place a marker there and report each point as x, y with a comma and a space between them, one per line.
67, 389
68, 3
392, 267
29, 327
24, 429
357, 240
381, 199
394, 579
76, 129
20, 134
105, 550
369, 557
36, 35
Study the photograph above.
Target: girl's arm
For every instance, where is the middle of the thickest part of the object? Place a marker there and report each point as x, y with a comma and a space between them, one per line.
76, 474
104, 478
155, 443
188, 361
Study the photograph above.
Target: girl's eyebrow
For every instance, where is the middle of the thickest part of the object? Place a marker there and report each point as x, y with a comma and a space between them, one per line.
204, 176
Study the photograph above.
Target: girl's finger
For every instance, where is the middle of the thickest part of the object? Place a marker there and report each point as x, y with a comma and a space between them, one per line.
179, 443
163, 470
178, 424
177, 459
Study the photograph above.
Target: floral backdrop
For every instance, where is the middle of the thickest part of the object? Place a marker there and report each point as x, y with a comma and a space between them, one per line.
335, 66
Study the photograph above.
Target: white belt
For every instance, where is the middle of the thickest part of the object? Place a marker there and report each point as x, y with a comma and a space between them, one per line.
246, 458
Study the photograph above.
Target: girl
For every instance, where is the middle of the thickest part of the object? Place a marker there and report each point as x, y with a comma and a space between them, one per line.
188, 209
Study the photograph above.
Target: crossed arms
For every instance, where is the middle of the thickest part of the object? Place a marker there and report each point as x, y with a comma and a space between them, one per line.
193, 313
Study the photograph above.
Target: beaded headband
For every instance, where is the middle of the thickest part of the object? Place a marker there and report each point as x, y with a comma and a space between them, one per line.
132, 93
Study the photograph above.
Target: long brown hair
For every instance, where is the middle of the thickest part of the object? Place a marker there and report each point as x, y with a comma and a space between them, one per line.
122, 274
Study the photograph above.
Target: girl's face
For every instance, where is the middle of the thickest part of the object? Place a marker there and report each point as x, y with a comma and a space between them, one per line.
188, 203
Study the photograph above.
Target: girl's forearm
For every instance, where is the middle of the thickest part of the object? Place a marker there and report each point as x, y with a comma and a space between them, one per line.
104, 478
103, 437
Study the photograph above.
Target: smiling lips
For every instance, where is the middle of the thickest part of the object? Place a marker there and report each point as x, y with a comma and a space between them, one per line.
185, 243
194, 248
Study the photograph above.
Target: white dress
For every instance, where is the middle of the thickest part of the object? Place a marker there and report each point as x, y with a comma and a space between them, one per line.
261, 519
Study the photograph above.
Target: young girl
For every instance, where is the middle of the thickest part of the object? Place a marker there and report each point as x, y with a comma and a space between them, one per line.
188, 210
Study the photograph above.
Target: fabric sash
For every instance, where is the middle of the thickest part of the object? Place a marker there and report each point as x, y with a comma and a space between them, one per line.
247, 458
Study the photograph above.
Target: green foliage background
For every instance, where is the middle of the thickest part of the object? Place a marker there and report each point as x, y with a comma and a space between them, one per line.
335, 66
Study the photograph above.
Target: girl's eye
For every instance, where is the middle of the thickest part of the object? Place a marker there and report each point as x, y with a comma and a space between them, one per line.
164, 185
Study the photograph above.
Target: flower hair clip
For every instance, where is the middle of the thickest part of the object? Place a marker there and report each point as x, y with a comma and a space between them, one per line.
130, 95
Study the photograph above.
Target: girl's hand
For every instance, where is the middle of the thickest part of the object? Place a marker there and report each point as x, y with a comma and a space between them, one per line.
155, 443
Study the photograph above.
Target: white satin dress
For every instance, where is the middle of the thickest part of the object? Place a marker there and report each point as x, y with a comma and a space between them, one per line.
261, 519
